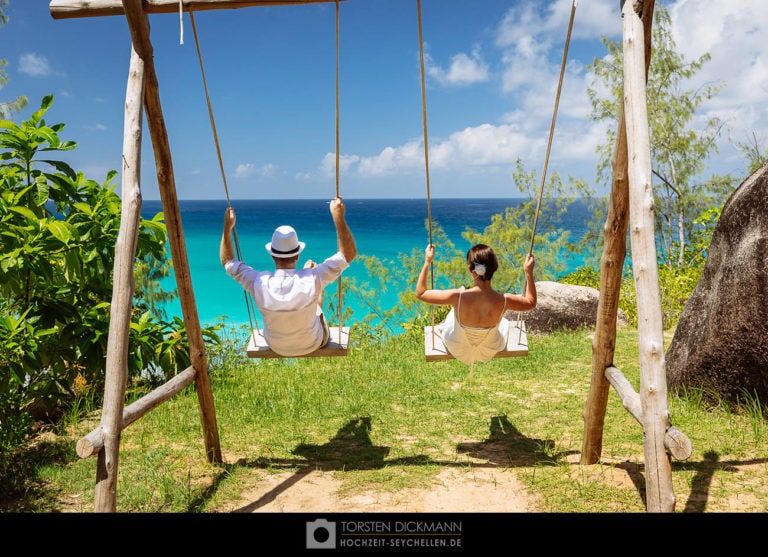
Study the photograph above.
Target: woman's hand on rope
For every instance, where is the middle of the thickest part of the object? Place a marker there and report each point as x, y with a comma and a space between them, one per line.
429, 254
529, 264
421, 282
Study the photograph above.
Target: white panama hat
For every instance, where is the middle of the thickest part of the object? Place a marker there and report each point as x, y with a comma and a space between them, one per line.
285, 242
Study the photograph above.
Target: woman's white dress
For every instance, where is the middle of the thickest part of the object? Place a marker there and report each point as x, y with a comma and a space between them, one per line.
472, 344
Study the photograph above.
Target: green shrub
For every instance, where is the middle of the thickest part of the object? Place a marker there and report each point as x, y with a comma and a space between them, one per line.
58, 232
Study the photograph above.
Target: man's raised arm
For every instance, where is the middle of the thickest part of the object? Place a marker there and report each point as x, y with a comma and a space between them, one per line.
345, 239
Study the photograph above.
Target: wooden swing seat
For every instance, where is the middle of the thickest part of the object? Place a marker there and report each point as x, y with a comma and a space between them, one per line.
337, 346
517, 343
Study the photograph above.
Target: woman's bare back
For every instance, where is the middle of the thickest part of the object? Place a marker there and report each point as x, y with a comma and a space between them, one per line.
480, 307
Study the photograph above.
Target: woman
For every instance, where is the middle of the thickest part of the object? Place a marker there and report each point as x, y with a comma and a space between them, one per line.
475, 328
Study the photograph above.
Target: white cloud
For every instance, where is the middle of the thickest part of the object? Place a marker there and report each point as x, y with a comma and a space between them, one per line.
269, 170
733, 33
246, 170
34, 65
484, 145
328, 164
593, 19
393, 160
465, 69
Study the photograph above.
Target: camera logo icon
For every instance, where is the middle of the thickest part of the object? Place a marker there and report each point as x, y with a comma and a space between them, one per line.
321, 534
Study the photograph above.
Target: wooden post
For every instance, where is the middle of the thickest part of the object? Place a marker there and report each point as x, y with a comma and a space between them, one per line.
653, 382
143, 89
611, 267
122, 294
139, 26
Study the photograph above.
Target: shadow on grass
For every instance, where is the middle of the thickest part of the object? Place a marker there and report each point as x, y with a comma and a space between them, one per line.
352, 449
21, 489
702, 480
506, 446
700, 483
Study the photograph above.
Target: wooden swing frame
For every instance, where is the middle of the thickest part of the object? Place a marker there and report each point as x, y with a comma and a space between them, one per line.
630, 190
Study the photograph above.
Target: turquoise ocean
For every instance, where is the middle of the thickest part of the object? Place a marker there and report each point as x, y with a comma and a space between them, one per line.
383, 228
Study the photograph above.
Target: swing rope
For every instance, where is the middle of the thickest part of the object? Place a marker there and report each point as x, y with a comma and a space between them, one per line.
250, 304
552, 125
426, 157
338, 168
549, 140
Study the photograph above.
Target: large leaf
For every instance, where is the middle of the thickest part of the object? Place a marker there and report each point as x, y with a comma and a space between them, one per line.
63, 231
24, 211
42, 191
45, 104
49, 136
154, 226
61, 145
84, 208
17, 141
62, 167
8, 125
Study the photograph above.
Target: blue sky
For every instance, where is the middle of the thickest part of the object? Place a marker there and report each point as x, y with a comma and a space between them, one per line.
492, 69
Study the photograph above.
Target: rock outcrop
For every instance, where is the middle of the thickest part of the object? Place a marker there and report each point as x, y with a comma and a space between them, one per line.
720, 344
564, 307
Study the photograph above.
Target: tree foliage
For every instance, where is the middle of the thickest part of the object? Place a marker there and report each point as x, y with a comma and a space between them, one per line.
678, 149
755, 155
57, 235
7, 108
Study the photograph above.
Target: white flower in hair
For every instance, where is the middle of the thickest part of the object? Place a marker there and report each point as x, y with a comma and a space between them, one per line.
479, 269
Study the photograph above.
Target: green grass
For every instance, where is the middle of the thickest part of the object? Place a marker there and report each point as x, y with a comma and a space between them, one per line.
383, 419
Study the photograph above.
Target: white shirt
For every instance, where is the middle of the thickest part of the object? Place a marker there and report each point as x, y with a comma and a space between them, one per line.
288, 302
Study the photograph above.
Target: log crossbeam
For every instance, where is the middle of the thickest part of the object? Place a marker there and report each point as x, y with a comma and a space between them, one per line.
678, 444
92, 443
70, 9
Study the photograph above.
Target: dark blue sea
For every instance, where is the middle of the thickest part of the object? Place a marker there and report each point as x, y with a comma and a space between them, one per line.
383, 228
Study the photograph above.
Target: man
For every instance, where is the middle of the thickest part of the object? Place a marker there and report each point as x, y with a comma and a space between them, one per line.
290, 299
